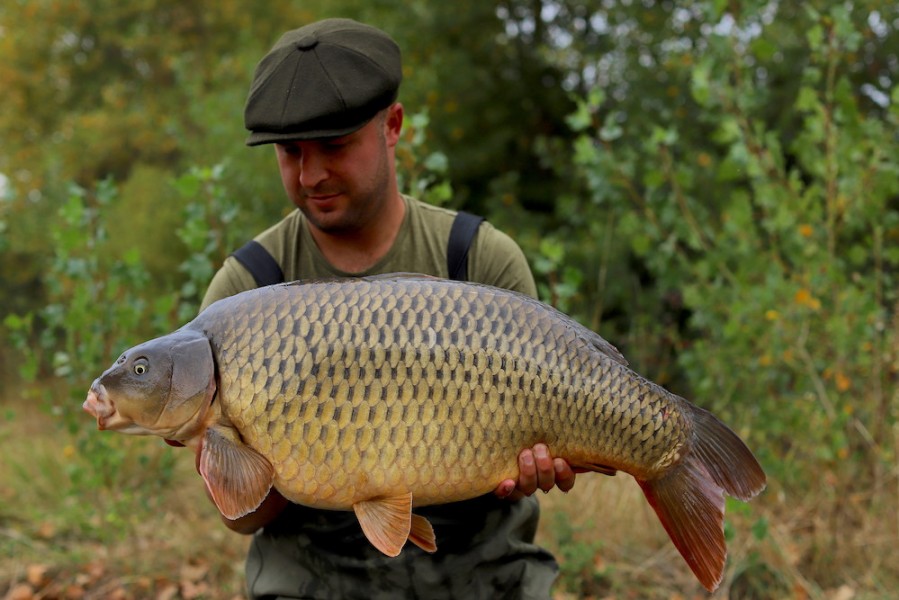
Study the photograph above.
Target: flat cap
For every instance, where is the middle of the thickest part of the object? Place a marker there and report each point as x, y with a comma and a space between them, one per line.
326, 79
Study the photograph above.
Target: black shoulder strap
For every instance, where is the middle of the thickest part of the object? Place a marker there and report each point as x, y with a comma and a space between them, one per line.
465, 226
266, 271
261, 265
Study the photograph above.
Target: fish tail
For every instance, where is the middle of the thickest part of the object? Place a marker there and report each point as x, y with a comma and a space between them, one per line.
689, 497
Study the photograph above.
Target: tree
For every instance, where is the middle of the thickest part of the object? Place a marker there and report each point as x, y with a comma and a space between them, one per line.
742, 158
99, 89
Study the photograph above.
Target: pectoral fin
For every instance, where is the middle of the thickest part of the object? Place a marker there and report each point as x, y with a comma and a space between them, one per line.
386, 522
238, 477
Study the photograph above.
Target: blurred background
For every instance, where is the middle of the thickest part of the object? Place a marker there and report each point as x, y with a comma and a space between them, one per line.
713, 185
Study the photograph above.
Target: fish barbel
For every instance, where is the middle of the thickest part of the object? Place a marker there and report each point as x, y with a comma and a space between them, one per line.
381, 394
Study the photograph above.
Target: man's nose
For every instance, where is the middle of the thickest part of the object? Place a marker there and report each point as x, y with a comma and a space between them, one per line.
313, 168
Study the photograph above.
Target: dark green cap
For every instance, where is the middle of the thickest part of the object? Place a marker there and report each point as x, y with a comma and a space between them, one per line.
326, 79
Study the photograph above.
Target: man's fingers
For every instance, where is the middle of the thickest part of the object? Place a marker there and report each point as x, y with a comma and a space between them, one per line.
527, 472
537, 469
565, 475
546, 473
504, 489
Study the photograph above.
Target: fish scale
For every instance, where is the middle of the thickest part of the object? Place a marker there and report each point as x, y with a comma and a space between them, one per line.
379, 394
328, 331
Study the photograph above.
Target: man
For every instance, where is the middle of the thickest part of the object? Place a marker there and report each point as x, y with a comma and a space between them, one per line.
325, 96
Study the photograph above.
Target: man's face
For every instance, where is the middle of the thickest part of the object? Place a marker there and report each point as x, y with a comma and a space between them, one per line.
342, 183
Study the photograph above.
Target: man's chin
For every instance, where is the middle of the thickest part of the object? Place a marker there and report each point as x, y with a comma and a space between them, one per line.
332, 222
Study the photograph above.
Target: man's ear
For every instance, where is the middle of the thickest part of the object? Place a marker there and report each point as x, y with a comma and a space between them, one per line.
393, 123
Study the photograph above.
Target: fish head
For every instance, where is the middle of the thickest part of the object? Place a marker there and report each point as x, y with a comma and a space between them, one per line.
161, 387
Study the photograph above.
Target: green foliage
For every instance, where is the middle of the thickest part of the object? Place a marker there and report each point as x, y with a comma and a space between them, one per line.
208, 232
117, 79
771, 238
768, 235
419, 172
95, 309
146, 209
736, 231
97, 306
559, 280
578, 570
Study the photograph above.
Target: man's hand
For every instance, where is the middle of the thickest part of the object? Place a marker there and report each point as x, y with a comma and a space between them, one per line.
537, 469
248, 524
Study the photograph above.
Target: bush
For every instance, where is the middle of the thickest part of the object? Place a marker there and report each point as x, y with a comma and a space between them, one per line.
97, 306
754, 221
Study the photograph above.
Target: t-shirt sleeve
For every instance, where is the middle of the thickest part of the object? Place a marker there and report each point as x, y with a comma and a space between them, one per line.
496, 260
232, 278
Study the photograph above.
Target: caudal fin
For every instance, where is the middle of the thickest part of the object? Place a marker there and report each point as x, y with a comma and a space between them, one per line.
689, 498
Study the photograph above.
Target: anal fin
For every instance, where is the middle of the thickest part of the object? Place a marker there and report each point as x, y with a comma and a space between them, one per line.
386, 522
422, 534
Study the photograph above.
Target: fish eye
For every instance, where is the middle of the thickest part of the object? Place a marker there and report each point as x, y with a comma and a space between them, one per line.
141, 366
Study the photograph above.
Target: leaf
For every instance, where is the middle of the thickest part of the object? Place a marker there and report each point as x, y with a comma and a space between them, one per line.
760, 529
581, 118
437, 162
699, 83
194, 572
807, 99
815, 37
764, 49
553, 250
20, 591
586, 151
37, 575
610, 130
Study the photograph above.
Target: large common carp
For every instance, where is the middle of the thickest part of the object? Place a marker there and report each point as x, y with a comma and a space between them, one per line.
385, 393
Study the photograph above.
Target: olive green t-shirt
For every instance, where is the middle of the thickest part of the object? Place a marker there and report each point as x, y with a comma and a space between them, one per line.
420, 247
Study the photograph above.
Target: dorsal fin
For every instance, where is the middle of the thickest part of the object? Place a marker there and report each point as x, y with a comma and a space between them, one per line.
401, 275
604, 346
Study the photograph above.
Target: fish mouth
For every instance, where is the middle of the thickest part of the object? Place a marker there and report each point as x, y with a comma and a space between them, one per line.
99, 405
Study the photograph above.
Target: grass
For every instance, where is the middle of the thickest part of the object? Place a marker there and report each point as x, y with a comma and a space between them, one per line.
618, 548
825, 544
61, 537
55, 536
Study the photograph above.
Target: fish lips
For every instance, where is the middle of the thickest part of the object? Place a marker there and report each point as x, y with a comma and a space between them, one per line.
98, 404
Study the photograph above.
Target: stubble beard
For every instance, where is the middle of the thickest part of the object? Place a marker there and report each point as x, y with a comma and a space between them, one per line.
362, 209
